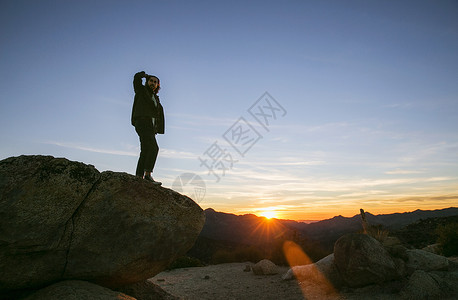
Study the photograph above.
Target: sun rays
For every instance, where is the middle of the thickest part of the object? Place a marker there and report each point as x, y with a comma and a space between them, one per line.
268, 214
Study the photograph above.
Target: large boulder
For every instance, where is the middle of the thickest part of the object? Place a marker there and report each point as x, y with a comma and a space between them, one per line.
362, 260
423, 285
426, 261
65, 220
77, 290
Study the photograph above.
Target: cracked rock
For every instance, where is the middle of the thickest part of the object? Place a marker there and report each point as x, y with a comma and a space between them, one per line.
62, 220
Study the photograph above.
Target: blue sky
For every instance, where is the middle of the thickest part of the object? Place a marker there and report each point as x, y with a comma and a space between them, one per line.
369, 91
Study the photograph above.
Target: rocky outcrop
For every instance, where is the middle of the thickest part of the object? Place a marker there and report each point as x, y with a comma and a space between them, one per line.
376, 270
423, 260
362, 260
423, 285
63, 220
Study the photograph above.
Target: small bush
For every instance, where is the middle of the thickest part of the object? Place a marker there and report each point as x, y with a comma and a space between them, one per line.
185, 262
378, 233
222, 257
241, 254
448, 238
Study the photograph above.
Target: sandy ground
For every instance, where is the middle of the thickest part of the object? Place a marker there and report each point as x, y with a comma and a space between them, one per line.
230, 281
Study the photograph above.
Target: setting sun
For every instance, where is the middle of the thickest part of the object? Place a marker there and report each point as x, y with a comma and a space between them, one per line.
268, 214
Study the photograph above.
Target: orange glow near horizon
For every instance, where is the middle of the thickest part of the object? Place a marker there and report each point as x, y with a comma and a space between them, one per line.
316, 210
323, 213
269, 214
267, 229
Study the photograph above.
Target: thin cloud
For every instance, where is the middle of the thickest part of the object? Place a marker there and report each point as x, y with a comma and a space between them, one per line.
198, 120
399, 105
170, 153
166, 153
268, 164
403, 172
329, 126
92, 149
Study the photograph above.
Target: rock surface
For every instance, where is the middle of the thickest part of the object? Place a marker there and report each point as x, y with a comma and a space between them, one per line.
426, 261
77, 290
265, 267
323, 272
422, 285
65, 220
362, 260
146, 290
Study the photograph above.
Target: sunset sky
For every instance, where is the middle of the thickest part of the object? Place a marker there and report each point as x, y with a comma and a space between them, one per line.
305, 109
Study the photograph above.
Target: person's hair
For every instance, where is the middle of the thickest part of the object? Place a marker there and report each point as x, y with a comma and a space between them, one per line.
158, 83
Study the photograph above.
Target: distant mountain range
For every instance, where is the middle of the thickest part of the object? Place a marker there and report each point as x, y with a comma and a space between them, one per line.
247, 228
224, 230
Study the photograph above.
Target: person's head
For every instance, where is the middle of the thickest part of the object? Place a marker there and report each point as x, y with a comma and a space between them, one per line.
153, 83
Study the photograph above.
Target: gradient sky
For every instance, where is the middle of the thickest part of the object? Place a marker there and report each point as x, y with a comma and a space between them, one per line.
369, 91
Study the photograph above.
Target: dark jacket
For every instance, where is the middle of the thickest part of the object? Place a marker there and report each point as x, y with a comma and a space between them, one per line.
144, 106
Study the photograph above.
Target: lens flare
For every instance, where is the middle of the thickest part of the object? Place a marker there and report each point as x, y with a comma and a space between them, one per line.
313, 283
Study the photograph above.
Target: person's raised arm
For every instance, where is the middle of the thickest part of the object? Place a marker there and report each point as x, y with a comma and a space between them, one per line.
138, 80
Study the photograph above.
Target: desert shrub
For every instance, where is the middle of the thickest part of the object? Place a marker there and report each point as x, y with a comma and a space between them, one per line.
378, 232
448, 238
185, 262
278, 256
312, 251
252, 254
222, 256
240, 254
315, 251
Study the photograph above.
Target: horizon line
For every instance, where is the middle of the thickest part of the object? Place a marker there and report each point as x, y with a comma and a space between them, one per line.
318, 220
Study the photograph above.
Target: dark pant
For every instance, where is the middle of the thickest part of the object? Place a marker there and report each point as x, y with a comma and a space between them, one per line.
148, 146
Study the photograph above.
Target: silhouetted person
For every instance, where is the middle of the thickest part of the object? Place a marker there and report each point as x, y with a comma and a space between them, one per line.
148, 119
